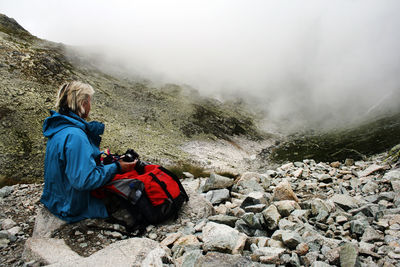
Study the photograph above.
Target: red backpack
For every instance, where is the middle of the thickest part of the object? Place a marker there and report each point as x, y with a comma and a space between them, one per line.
151, 197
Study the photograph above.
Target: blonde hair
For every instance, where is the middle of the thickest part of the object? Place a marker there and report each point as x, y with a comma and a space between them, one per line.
72, 95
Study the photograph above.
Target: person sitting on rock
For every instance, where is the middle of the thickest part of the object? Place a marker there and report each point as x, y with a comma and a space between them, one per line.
71, 168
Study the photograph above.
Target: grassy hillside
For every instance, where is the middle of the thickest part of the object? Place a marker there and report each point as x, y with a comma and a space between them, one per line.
153, 121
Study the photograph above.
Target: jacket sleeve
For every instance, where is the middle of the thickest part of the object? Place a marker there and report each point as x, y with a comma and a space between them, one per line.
80, 166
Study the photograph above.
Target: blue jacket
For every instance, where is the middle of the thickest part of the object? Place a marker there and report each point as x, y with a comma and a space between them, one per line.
70, 170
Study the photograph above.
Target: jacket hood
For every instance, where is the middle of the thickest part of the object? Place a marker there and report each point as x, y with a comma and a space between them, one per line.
57, 122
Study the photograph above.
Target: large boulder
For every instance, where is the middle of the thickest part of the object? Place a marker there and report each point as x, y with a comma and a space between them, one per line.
46, 223
130, 252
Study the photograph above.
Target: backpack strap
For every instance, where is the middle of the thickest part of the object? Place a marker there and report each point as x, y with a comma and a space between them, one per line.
163, 186
176, 179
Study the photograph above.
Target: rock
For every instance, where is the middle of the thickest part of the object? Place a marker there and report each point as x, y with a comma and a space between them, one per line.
285, 224
217, 182
285, 207
190, 258
271, 217
48, 251
349, 162
253, 221
283, 191
346, 202
267, 254
15, 230
298, 173
155, 258
220, 237
242, 227
252, 182
129, 252
371, 235
254, 198
335, 164
358, 226
317, 205
320, 264
7, 224
371, 169
213, 259
255, 208
325, 178
188, 174
171, 238
187, 241
196, 208
348, 255
393, 175
291, 239
6, 191
46, 223
217, 196
370, 187
4, 242
223, 219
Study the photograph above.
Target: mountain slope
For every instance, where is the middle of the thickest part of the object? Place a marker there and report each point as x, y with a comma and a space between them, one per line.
154, 121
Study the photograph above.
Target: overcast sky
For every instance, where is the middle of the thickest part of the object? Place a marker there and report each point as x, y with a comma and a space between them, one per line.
320, 61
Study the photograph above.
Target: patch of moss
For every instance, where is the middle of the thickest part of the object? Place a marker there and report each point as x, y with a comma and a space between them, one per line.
196, 170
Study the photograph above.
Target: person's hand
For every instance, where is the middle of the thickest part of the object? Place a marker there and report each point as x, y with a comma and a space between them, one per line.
127, 166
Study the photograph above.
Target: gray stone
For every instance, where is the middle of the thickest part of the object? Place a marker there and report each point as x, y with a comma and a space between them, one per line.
255, 208
6, 191
7, 224
285, 207
291, 239
268, 254
325, 178
4, 242
370, 187
285, 224
346, 202
317, 204
252, 220
213, 259
294, 260
48, 251
242, 227
46, 223
217, 196
220, 237
271, 217
254, 198
224, 219
370, 170
348, 255
320, 264
358, 226
217, 182
393, 175
322, 216
196, 208
371, 235
129, 252
190, 257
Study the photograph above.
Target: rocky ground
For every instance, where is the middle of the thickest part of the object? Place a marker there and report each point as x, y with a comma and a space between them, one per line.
299, 214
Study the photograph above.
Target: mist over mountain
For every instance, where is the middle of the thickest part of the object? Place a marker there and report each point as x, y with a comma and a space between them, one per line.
315, 64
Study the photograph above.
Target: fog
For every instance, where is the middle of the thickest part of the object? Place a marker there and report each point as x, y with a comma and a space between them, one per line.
304, 63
